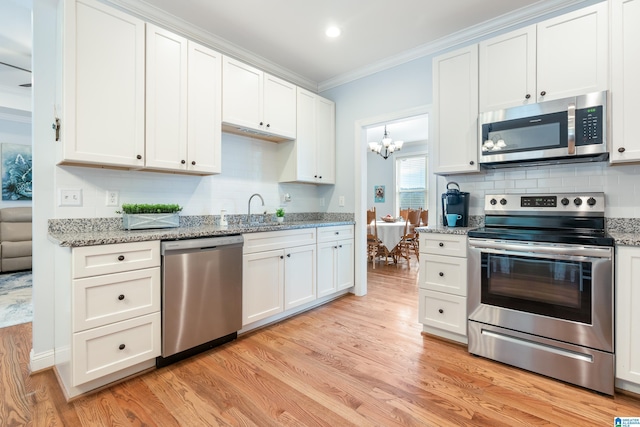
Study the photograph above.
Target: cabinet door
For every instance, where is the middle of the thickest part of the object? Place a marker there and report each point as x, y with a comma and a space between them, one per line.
242, 91
205, 110
325, 140
279, 107
627, 314
327, 268
262, 285
455, 97
166, 100
303, 162
625, 81
573, 53
103, 123
443, 311
344, 264
508, 70
299, 276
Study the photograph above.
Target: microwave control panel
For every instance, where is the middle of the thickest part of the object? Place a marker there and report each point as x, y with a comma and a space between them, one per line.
589, 125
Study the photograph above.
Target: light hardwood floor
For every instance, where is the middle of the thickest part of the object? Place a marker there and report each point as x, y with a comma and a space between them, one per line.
358, 361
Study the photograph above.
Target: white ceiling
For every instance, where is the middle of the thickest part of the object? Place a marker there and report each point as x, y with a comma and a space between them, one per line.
412, 129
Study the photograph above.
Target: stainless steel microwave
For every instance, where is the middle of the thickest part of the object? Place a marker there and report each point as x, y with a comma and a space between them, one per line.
561, 131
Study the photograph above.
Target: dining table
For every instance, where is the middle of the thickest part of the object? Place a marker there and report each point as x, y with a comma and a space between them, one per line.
390, 233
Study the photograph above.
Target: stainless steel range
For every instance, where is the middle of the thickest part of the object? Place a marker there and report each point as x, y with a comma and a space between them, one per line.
541, 287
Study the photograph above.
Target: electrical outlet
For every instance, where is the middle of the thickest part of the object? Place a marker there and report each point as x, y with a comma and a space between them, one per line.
112, 197
341, 201
70, 197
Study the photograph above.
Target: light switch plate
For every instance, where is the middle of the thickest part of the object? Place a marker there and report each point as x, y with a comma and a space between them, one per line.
341, 201
70, 197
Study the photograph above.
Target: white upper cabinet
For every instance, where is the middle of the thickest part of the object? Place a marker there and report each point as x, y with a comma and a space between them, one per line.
573, 53
166, 146
311, 157
455, 100
625, 80
257, 104
103, 86
560, 57
508, 70
183, 104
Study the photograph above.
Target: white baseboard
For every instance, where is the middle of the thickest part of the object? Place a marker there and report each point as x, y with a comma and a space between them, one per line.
41, 361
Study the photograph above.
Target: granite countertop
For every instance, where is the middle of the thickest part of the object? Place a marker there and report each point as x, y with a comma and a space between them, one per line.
445, 230
91, 238
625, 239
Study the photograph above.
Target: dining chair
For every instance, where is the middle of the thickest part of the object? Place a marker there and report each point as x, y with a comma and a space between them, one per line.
409, 242
375, 247
403, 213
424, 217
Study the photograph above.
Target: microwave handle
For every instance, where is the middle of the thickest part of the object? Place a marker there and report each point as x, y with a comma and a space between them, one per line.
571, 129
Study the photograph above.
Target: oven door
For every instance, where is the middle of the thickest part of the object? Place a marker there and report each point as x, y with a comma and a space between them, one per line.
562, 292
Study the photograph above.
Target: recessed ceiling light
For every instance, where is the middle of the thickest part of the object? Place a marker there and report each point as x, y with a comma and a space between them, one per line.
332, 32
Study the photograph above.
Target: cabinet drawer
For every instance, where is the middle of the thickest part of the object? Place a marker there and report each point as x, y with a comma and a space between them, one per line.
444, 274
273, 240
443, 311
101, 300
106, 259
108, 349
443, 244
331, 234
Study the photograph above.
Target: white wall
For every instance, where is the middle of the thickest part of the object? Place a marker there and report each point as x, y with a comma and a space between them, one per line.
382, 172
249, 166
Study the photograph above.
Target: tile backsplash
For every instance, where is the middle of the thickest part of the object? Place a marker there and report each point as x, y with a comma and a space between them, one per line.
620, 183
249, 166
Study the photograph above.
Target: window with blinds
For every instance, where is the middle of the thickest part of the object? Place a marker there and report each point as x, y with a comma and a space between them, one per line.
411, 182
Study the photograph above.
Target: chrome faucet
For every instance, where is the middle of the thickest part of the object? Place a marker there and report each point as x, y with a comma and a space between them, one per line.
249, 206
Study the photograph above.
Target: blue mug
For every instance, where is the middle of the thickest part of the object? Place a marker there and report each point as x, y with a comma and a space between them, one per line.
452, 219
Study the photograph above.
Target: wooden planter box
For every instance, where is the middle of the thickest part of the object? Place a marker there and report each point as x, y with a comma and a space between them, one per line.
145, 221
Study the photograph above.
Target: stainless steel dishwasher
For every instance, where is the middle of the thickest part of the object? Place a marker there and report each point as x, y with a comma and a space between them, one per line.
201, 295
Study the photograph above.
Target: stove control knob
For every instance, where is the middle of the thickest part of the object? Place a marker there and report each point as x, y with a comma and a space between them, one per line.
493, 202
503, 202
577, 201
591, 201
564, 201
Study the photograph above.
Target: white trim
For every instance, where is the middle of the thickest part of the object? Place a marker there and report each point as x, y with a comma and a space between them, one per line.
41, 361
360, 179
159, 17
15, 118
461, 37
170, 22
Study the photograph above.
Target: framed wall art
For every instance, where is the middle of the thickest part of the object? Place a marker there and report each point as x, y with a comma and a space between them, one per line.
16, 172
378, 193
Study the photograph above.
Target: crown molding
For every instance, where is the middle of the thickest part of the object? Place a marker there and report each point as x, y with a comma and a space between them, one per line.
456, 39
17, 116
157, 16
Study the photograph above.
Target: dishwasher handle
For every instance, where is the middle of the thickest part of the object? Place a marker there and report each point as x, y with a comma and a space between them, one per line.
168, 247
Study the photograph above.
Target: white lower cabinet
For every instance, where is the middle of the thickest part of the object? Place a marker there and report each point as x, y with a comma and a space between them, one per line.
278, 272
443, 285
627, 319
111, 328
335, 259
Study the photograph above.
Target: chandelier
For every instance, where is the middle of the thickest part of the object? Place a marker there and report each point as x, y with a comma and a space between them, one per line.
387, 146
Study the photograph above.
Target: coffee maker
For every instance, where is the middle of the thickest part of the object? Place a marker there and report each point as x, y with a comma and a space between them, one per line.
455, 201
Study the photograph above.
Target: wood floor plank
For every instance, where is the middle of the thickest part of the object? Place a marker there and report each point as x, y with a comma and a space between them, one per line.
357, 361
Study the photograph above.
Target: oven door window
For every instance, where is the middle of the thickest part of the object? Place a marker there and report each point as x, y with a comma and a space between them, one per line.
555, 288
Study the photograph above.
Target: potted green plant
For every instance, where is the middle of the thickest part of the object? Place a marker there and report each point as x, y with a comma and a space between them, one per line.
144, 216
280, 214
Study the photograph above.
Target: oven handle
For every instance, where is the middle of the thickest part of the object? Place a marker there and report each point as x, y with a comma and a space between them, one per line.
566, 252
